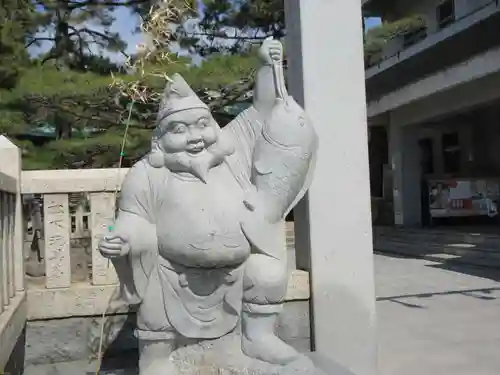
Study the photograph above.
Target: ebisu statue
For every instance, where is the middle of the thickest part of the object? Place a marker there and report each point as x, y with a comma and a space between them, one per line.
198, 239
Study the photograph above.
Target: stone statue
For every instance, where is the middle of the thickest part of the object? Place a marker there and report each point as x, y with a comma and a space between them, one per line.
198, 241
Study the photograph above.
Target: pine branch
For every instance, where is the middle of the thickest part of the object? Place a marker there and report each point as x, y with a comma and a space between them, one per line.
36, 40
78, 4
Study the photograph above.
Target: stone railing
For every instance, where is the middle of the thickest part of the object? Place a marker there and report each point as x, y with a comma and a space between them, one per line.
77, 280
12, 295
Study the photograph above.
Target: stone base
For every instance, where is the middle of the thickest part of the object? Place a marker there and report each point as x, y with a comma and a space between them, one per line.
224, 357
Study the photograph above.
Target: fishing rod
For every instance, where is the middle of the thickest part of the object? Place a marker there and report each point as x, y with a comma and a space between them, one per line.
111, 228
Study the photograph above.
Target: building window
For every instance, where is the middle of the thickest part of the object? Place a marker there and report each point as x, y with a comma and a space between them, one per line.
445, 13
426, 156
452, 153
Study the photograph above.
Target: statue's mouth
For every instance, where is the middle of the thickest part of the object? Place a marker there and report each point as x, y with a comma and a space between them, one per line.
196, 148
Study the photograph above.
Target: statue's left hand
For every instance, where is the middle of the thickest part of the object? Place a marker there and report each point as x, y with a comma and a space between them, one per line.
114, 246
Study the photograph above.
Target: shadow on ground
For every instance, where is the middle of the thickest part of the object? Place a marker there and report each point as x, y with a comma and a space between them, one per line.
15, 364
462, 265
459, 266
465, 264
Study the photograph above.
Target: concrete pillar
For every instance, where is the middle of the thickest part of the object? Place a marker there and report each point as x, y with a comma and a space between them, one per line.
326, 74
404, 156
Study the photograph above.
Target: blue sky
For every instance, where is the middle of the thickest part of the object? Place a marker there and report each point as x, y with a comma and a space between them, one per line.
126, 24
371, 22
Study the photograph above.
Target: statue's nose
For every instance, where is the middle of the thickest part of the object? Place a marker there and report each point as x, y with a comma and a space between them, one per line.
194, 136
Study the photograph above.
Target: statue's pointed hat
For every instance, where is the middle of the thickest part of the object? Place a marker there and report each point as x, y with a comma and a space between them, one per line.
178, 96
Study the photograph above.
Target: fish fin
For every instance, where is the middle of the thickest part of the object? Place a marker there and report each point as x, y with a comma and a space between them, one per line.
306, 186
249, 204
251, 199
243, 130
265, 237
261, 168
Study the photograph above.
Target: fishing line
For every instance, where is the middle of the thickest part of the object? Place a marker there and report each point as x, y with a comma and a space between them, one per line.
111, 227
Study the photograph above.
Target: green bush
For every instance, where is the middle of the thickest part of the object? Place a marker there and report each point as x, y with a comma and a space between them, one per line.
377, 37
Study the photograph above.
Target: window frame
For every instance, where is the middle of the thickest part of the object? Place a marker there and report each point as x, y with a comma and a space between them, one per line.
446, 21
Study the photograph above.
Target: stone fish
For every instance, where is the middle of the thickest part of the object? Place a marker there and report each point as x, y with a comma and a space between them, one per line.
282, 172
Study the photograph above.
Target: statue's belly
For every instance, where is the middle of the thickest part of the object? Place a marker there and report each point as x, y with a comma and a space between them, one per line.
199, 226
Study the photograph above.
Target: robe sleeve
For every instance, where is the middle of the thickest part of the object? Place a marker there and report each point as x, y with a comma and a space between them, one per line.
136, 192
244, 130
136, 224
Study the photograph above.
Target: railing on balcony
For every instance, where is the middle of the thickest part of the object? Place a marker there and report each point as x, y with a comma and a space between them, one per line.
399, 43
413, 37
12, 295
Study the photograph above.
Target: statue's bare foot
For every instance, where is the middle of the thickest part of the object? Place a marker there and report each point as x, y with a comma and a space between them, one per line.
159, 366
155, 357
259, 341
268, 348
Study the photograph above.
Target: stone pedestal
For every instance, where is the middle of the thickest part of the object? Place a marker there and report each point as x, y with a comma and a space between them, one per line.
224, 357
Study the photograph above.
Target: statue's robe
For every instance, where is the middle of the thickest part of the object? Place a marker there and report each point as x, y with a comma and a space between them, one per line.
185, 268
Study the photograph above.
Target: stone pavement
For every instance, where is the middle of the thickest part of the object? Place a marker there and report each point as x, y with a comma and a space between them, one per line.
437, 318
433, 318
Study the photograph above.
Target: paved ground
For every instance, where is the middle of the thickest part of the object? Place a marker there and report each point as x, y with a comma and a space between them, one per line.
434, 318
437, 319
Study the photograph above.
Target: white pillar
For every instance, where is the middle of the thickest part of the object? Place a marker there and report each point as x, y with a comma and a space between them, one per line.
326, 74
404, 157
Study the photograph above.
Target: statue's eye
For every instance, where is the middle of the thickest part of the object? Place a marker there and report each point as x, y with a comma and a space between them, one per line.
179, 128
203, 122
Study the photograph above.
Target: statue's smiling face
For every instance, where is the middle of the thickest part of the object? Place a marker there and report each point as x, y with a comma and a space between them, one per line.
191, 131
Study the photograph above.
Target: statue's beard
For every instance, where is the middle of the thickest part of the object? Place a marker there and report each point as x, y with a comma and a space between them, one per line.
199, 164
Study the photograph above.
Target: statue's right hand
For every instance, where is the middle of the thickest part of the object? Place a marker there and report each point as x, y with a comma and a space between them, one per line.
271, 51
113, 246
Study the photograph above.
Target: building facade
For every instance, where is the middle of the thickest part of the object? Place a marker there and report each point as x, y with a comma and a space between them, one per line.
433, 98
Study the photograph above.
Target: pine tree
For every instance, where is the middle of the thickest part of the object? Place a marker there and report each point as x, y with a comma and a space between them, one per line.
17, 24
70, 89
233, 26
72, 29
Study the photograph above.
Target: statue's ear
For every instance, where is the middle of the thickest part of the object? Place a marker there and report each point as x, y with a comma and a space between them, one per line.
154, 144
155, 156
